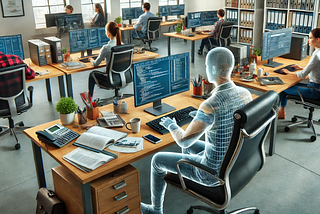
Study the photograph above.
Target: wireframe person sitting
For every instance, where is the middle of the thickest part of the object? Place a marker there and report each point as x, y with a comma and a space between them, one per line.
98, 20
214, 118
214, 32
312, 69
143, 22
113, 32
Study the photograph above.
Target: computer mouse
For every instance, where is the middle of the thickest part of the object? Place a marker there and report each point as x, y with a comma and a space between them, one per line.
266, 73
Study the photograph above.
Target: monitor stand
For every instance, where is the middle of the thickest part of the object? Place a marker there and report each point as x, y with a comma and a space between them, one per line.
89, 53
158, 108
272, 64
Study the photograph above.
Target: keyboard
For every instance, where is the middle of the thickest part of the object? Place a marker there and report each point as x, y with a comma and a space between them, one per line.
288, 67
182, 117
86, 59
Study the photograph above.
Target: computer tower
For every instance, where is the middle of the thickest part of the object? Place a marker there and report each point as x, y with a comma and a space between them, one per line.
56, 49
299, 47
40, 52
239, 51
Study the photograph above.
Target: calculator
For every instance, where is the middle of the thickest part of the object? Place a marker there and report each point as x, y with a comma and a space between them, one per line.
62, 134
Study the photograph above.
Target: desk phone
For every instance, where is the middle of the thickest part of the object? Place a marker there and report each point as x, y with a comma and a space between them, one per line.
57, 135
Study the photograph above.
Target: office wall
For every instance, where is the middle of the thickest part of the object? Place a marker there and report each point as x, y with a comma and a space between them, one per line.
25, 25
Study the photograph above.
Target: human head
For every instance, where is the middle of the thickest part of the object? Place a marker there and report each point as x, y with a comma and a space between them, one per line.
98, 8
146, 6
219, 65
221, 13
113, 30
68, 9
314, 38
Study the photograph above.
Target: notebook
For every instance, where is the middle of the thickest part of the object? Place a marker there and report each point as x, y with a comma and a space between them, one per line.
270, 81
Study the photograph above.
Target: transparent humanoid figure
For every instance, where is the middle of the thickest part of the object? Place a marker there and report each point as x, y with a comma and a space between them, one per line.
214, 118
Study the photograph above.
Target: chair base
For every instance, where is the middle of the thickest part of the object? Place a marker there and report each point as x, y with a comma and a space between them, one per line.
308, 121
214, 211
12, 128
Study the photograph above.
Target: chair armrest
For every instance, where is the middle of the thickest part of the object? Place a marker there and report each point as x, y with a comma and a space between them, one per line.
199, 166
30, 89
302, 100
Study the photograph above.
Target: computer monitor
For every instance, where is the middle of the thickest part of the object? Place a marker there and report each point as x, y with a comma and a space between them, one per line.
87, 39
194, 20
68, 22
51, 19
157, 79
209, 17
164, 10
131, 13
275, 43
177, 10
12, 45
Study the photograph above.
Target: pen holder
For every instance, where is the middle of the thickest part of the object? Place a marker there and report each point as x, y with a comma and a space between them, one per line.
116, 108
197, 90
92, 113
82, 118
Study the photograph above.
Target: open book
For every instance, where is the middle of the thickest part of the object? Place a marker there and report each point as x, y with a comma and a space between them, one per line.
99, 138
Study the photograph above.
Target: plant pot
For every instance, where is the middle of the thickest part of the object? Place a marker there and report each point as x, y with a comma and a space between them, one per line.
178, 32
67, 119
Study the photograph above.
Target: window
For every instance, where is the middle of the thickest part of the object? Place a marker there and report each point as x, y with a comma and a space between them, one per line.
170, 2
41, 7
130, 3
87, 8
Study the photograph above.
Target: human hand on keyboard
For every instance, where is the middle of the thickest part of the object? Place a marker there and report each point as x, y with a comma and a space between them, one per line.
285, 71
193, 113
297, 67
167, 121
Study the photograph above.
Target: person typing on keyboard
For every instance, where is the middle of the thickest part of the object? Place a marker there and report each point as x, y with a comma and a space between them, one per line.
214, 118
312, 69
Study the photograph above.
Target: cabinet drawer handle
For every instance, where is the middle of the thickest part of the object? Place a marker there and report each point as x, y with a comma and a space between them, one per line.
123, 210
120, 196
120, 185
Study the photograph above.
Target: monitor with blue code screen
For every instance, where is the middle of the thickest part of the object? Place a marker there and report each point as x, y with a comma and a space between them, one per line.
160, 78
131, 13
69, 22
209, 18
164, 10
194, 20
177, 10
275, 43
12, 45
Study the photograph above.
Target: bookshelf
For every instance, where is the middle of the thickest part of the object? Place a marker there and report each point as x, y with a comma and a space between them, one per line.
248, 16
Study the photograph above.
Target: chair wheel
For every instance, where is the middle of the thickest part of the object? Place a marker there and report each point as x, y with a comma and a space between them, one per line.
294, 119
190, 210
313, 138
286, 129
17, 146
256, 211
21, 123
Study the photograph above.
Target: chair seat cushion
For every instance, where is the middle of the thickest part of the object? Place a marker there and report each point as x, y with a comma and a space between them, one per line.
298, 100
215, 194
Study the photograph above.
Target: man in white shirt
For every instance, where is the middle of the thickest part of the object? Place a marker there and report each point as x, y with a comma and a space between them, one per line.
143, 21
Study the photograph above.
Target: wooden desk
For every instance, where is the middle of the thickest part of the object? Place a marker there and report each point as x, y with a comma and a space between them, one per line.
89, 66
181, 36
52, 73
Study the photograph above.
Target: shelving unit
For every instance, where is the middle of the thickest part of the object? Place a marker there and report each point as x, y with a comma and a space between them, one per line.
248, 16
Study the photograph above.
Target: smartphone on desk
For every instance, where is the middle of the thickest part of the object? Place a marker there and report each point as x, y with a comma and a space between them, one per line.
152, 139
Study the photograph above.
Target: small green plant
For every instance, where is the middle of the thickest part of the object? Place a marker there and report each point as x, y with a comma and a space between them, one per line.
66, 105
64, 50
118, 19
257, 51
178, 29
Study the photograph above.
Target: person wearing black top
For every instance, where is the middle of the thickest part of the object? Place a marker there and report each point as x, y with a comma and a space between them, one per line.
98, 20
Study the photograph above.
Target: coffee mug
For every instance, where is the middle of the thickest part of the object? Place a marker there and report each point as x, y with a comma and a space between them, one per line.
135, 125
260, 72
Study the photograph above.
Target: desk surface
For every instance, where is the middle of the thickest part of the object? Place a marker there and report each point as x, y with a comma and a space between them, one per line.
289, 80
192, 38
75, 57
166, 23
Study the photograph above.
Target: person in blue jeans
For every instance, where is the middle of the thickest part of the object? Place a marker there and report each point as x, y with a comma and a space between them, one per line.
312, 69
214, 118
143, 22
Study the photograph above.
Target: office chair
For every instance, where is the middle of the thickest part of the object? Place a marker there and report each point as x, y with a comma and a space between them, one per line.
118, 71
307, 104
153, 32
13, 97
224, 38
244, 157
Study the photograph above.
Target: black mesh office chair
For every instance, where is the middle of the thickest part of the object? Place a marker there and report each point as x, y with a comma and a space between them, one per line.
119, 71
13, 97
153, 32
224, 38
244, 157
307, 104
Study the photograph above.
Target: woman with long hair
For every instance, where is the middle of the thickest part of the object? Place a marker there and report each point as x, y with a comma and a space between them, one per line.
98, 20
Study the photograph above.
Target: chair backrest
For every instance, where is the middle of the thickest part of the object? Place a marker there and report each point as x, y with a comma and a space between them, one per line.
224, 39
119, 68
153, 30
245, 155
13, 93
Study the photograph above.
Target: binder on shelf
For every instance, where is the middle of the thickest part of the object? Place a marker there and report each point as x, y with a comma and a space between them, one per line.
235, 12
311, 7
248, 19
291, 4
295, 4
303, 5
283, 23
285, 4
294, 18
278, 4
269, 20
296, 29
242, 19
301, 22
310, 19
275, 21
318, 22
281, 3
305, 23
299, 4
251, 19
252, 4
290, 19
250, 36
279, 20
241, 35
272, 19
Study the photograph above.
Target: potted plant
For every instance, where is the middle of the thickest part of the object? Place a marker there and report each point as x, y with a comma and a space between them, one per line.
179, 28
66, 108
118, 20
256, 52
